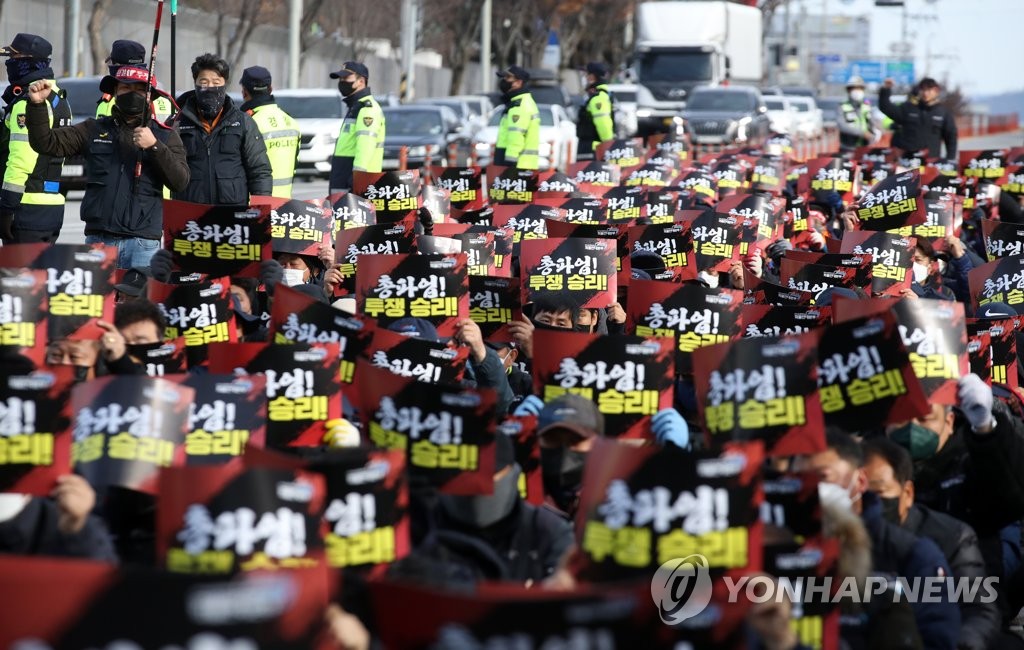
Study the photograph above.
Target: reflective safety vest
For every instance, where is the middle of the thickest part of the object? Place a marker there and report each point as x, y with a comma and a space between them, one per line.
858, 117
162, 107
29, 178
518, 143
281, 135
362, 136
596, 122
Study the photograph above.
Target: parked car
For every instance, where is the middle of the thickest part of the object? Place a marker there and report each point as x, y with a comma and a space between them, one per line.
426, 131
830, 110
319, 112
83, 94
726, 115
809, 121
624, 96
470, 121
781, 114
557, 137
480, 105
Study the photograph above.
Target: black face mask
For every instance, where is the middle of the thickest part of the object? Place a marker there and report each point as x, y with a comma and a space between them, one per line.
18, 69
346, 88
481, 511
210, 100
130, 104
140, 351
82, 373
891, 509
562, 473
505, 86
544, 326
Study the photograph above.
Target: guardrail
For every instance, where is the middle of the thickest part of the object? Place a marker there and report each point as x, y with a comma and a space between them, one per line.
974, 125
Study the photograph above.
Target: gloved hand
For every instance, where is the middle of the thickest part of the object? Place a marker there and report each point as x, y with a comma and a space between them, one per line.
7, 226
426, 220
161, 265
532, 405
271, 274
670, 427
976, 403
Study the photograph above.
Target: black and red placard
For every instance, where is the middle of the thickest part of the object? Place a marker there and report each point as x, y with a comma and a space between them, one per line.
583, 269
220, 240
431, 287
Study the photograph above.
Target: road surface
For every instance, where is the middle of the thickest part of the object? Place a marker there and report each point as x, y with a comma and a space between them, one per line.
73, 230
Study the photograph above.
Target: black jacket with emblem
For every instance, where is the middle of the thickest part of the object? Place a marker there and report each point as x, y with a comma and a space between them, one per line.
229, 164
110, 205
922, 126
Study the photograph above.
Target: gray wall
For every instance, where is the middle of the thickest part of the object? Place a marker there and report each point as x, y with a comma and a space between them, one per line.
268, 46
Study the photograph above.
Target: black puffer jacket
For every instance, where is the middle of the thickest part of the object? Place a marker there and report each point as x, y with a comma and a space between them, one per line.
229, 164
922, 126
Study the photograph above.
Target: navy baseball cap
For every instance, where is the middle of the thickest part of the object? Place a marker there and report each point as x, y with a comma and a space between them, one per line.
134, 281
29, 44
597, 69
351, 67
515, 71
995, 311
125, 52
415, 327
574, 413
256, 78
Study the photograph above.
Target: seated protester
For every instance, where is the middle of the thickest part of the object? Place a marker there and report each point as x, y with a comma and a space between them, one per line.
484, 369
566, 429
890, 474
927, 274
773, 265
525, 541
958, 262
138, 327
61, 525
84, 355
555, 311
519, 381
895, 552
967, 465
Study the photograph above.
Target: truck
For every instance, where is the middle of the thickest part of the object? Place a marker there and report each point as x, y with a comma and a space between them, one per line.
690, 43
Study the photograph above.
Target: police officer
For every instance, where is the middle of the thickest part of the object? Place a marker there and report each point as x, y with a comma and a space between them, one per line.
596, 122
226, 156
31, 205
518, 142
280, 131
117, 209
125, 52
856, 127
361, 140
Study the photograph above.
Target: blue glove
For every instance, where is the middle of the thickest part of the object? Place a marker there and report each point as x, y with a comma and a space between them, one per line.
670, 427
161, 265
532, 405
976, 402
271, 274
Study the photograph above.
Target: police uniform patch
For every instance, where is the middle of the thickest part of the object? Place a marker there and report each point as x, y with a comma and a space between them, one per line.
21, 121
367, 121
515, 118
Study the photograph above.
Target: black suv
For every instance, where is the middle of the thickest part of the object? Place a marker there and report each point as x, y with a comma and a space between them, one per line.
726, 115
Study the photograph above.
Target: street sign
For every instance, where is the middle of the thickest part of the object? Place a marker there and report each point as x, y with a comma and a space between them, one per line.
902, 72
828, 58
871, 71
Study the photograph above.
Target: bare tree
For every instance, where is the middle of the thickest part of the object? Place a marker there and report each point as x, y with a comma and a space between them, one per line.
97, 19
453, 27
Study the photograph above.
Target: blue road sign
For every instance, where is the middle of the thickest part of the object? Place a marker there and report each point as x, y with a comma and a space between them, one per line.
902, 72
871, 71
828, 58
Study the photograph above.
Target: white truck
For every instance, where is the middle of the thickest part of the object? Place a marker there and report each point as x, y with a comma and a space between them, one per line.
690, 43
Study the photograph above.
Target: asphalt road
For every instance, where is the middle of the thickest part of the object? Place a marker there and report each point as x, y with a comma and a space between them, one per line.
73, 230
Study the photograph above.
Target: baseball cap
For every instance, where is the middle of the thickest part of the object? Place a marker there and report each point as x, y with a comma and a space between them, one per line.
350, 67
571, 412
416, 327
515, 71
826, 297
597, 69
29, 44
256, 78
125, 52
134, 281
129, 74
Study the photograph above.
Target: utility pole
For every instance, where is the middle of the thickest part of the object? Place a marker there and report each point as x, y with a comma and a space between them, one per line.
294, 41
409, 22
485, 47
72, 20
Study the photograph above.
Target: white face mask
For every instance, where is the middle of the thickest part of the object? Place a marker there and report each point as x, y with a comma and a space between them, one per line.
920, 272
11, 505
834, 495
710, 277
857, 95
942, 266
293, 277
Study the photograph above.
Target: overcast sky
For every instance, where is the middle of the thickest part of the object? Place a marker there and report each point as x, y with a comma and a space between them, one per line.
984, 36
